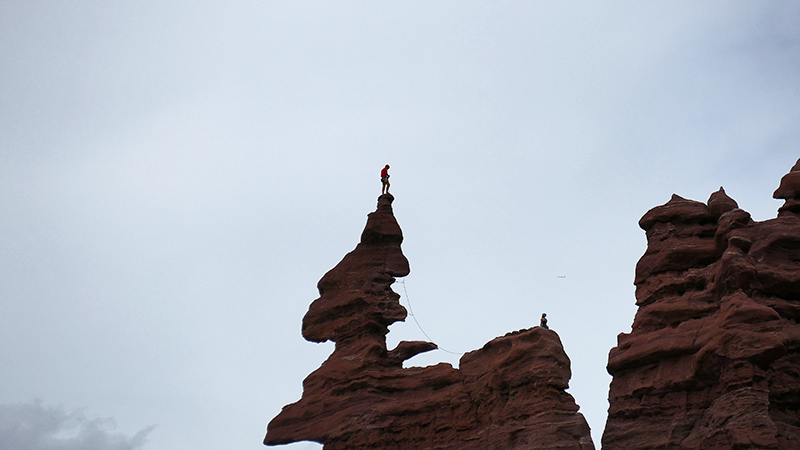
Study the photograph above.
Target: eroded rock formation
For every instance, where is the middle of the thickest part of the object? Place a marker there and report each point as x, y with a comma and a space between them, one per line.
508, 395
713, 358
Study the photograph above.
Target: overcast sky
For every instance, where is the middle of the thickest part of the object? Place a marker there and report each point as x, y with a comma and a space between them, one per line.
175, 177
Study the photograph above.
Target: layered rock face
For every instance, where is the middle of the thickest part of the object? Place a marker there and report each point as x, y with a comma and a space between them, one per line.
510, 394
713, 358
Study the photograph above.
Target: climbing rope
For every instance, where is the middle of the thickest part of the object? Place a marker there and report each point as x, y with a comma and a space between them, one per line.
411, 311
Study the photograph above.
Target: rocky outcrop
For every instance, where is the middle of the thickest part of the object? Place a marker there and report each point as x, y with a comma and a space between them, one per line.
510, 394
713, 357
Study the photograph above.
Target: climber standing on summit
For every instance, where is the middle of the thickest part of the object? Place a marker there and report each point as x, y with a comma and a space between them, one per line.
385, 180
543, 322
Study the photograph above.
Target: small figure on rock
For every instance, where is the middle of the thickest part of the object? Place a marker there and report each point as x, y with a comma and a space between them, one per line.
543, 322
385, 180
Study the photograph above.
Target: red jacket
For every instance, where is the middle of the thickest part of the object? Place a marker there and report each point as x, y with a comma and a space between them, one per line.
384, 172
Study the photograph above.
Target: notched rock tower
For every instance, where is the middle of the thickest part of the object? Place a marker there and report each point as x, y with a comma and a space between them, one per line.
713, 358
508, 395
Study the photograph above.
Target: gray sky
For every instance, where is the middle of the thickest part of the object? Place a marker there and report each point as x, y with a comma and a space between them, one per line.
175, 177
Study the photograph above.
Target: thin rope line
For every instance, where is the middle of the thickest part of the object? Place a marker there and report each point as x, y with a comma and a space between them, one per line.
411, 311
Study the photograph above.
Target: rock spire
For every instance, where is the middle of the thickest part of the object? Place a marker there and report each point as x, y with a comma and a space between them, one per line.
508, 395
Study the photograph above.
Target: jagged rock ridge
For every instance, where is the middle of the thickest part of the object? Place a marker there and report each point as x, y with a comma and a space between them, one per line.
713, 357
510, 394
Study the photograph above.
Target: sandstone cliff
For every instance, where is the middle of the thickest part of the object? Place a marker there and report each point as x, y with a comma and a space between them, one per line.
510, 394
713, 358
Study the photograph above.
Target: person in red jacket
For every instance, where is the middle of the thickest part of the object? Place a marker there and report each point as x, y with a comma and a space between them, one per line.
385, 180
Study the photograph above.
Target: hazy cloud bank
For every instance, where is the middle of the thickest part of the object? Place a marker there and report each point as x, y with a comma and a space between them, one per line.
32, 426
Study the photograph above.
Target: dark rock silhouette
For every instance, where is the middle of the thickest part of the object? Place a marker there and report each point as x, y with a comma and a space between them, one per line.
713, 357
712, 361
510, 394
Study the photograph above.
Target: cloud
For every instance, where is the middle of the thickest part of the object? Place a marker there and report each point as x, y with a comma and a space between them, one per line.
32, 426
